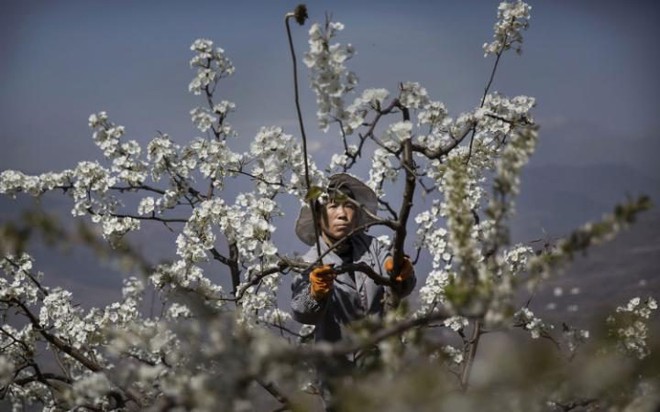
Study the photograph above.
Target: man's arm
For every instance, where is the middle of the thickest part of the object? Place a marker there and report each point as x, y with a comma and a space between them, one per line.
305, 308
405, 280
407, 285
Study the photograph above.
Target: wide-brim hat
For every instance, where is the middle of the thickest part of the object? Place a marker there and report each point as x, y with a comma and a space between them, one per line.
360, 192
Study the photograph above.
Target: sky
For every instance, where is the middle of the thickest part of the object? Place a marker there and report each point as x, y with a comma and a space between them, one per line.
592, 65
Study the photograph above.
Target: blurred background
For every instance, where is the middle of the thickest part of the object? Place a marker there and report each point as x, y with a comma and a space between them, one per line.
592, 65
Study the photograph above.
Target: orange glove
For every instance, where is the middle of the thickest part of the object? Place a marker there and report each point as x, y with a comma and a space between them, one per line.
321, 279
406, 268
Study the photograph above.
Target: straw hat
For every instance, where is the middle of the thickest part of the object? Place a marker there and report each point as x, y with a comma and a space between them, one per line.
343, 182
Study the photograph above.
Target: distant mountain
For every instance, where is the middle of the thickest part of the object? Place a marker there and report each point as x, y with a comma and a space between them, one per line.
578, 143
555, 199
609, 275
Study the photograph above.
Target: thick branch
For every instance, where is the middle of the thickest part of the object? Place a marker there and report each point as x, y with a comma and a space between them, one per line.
233, 267
407, 203
443, 151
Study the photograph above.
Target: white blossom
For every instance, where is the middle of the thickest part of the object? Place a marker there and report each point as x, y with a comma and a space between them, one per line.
397, 133
536, 327
512, 18
91, 386
214, 159
456, 323
371, 99
382, 170
628, 325
17, 283
330, 79
413, 95
432, 293
125, 155
276, 154
202, 118
13, 182
211, 65
146, 206
454, 354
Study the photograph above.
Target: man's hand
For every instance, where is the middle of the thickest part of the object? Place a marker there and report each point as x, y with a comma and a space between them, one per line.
405, 272
321, 279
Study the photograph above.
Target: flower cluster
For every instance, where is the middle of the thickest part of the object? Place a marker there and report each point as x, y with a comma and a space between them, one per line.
413, 96
396, 133
512, 18
13, 182
251, 228
214, 159
629, 326
462, 196
202, 118
16, 283
163, 155
66, 327
187, 276
211, 64
246, 224
371, 99
526, 319
58, 313
91, 388
434, 116
500, 115
91, 177
124, 155
454, 354
274, 154
197, 236
432, 236
432, 293
214, 119
517, 258
381, 170
330, 79
341, 161
456, 323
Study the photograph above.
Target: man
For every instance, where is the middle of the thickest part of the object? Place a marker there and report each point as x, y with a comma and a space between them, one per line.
322, 296
331, 299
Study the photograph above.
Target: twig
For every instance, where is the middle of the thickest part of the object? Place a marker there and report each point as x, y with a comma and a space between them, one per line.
486, 90
300, 15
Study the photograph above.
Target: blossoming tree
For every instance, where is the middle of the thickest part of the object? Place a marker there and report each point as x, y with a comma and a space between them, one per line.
235, 348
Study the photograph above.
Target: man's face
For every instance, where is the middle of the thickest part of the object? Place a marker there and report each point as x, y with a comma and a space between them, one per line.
339, 219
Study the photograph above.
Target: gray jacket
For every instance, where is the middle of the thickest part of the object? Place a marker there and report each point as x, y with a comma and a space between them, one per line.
350, 299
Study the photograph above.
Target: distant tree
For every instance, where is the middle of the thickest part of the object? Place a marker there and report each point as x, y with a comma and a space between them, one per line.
233, 348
